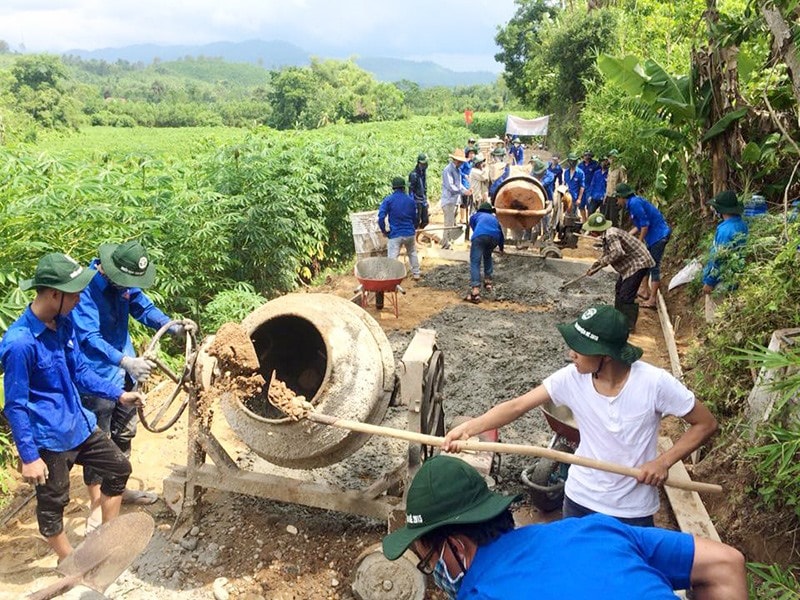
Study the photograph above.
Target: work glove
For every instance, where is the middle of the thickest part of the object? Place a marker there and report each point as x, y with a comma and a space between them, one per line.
180, 329
137, 367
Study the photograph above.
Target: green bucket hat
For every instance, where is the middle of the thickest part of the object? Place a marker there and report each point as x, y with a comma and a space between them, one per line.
498, 152
486, 207
596, 222
538, 167
422, 158
127, 265
624, 190
572, 157
601, 331
726, 203
398, 183
613, 152
445, 491
60, 272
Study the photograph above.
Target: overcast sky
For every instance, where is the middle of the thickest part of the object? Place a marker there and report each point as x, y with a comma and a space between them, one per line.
458, 34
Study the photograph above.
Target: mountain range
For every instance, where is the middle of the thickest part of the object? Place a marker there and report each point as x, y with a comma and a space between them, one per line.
276, 54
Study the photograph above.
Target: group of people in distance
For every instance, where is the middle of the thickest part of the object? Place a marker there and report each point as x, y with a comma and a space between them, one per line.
70, 370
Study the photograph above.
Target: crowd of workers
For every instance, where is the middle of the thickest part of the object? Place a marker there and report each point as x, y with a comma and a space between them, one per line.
70, 398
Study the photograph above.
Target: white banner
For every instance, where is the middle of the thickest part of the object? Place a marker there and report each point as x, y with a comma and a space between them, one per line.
520, 126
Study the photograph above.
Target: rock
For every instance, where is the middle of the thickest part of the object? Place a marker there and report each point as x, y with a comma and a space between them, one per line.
291, 529
334, 582
188, 543
220, 593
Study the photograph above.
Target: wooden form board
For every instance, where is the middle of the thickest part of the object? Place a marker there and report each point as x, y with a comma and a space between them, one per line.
687, 507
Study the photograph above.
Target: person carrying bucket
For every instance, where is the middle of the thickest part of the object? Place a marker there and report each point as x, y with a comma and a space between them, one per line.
618, 402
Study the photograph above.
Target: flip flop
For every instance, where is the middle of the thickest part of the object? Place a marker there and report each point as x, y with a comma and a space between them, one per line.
488, 285
648, 306
138, 497
641, 297
474, 298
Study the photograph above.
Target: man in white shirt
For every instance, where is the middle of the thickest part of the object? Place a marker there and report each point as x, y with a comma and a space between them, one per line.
618, 402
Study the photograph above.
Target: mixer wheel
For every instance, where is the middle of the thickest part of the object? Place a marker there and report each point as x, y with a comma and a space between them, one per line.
431, 410
163, 407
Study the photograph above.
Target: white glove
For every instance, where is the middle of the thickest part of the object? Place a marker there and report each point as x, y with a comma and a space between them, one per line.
137, 367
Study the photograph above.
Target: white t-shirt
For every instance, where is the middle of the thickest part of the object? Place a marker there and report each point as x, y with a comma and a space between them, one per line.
621, 429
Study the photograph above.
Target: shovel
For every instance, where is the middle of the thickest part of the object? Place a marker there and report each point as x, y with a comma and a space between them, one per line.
572, 282
102, 556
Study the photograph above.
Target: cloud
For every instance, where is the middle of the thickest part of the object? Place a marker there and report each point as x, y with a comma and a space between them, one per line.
418, 28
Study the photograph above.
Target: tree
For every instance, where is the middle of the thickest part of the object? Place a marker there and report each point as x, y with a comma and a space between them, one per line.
39, 91
519, 40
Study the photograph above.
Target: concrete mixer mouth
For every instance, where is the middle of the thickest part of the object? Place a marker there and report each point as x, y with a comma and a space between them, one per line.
296, 351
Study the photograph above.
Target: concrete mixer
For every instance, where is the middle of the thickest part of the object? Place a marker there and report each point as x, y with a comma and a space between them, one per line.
333, 353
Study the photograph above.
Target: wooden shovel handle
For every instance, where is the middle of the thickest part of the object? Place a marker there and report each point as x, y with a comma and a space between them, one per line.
565, 457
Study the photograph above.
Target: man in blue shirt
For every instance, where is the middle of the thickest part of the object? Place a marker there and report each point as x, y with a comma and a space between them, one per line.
596, 189
731, 236
573, 178
113, 295
517, 152
589, 166
418, 188
43, 367
649, 226
465, 203
486, 236
401, 210
555, 168
463, 535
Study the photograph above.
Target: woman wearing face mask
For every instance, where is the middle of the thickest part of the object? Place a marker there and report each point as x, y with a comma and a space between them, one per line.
463, 534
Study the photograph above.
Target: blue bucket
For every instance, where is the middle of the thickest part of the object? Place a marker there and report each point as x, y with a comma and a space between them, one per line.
756, 206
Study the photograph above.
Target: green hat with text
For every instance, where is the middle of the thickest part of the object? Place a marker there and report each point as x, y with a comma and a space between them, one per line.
60, 272
596, 222
127, 265
601, 331
445, 491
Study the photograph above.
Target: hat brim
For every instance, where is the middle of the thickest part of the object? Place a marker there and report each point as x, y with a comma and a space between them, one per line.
73, 286
397, 542
458, 158
727, 210
124, 279
606, 225
627, 354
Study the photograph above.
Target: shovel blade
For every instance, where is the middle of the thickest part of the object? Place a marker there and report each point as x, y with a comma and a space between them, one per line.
109, 550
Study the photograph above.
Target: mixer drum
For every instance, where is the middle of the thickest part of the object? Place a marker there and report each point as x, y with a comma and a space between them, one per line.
330, 351
520, 193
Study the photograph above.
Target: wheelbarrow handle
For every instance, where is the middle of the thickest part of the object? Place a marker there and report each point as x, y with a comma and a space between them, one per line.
398, 288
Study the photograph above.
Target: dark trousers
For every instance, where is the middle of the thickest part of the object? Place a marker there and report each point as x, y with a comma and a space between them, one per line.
98, 452
611, 210
573, 509
116, 420
422, 214
625, 296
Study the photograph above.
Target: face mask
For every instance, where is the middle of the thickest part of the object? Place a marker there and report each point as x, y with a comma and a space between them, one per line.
443, 580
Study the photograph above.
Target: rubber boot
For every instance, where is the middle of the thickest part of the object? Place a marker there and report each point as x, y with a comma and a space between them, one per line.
631, 311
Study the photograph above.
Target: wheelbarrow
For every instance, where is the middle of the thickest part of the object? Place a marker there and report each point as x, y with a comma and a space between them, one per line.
380, 275
545, 478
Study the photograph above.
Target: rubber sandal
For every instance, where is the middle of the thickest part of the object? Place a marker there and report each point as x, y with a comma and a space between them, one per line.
641, 297
489, 286
648, 306
138, 497
474, 298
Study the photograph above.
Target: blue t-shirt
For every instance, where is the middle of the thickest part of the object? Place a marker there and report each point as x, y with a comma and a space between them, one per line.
402, 212
589, 169
101, 324
483, 223
731, 235
597, 188
575, 181
42, 404
643, 214
590, 557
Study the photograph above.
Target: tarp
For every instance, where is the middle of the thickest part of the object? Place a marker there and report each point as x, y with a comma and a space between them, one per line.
520, 126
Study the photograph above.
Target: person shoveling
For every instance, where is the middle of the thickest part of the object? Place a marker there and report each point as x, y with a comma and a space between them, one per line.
102, 556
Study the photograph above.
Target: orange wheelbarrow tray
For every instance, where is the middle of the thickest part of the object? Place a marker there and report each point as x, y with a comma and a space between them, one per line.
380, 275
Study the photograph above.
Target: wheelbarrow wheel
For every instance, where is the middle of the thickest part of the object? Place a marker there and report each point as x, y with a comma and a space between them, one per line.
545, 490
379, 300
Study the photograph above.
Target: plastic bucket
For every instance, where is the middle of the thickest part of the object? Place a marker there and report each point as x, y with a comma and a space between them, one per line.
367, 236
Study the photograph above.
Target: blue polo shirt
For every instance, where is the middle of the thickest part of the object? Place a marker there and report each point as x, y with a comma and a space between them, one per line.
402, 212
592, 557
42, 403
643, 214
597, 188
101, 323
484, 223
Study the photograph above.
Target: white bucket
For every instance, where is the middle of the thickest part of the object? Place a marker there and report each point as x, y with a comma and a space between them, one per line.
367, 236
